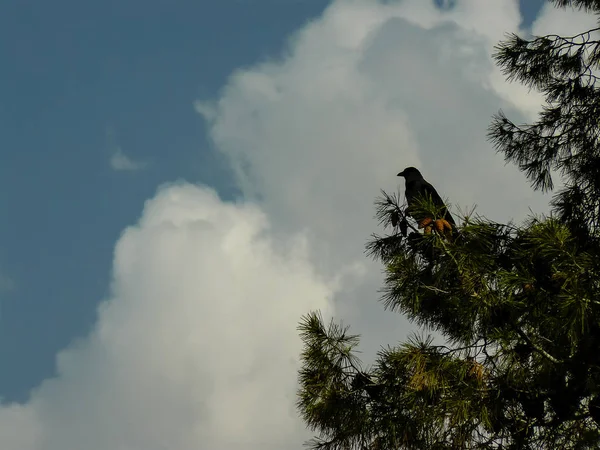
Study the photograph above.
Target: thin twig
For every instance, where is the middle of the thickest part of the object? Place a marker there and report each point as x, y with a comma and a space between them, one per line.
543, 352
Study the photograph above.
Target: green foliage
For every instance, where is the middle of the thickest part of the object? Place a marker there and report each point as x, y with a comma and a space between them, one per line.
330, 402
565, 138
518, 306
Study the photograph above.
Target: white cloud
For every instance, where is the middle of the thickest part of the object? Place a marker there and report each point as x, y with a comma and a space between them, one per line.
120, 161
361, 93
197, 346
563, 21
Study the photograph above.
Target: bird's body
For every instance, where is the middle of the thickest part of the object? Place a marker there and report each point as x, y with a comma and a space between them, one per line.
418, 187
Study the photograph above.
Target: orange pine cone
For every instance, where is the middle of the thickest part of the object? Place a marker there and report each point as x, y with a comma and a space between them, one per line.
425, 222
439, 225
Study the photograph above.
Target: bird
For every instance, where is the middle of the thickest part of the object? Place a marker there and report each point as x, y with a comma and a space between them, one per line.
416, 187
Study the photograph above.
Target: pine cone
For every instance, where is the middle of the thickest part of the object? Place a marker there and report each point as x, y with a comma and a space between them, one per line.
439, 225
425, 222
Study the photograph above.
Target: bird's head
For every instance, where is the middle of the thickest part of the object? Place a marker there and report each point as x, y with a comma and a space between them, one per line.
410, 173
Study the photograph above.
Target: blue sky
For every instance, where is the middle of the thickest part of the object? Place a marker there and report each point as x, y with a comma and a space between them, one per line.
79, 80
72, 71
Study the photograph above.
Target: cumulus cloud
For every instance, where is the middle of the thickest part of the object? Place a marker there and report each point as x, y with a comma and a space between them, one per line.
362, 92
564, 21
368, 89
197, 345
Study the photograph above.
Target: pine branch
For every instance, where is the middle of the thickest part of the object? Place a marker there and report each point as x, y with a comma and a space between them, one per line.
539, 349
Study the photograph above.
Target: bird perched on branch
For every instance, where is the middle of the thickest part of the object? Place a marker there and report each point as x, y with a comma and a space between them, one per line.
416, 187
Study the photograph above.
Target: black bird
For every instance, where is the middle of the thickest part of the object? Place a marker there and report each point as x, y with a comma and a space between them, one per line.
416, 186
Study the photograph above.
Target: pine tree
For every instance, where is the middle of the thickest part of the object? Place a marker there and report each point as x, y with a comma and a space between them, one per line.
518, 306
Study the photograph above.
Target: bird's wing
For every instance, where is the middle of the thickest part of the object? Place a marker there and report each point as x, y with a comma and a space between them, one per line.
426, 189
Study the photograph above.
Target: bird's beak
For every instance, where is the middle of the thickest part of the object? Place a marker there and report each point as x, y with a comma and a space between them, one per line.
401, 174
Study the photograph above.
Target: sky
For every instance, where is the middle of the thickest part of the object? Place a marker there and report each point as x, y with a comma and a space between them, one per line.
181, 181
